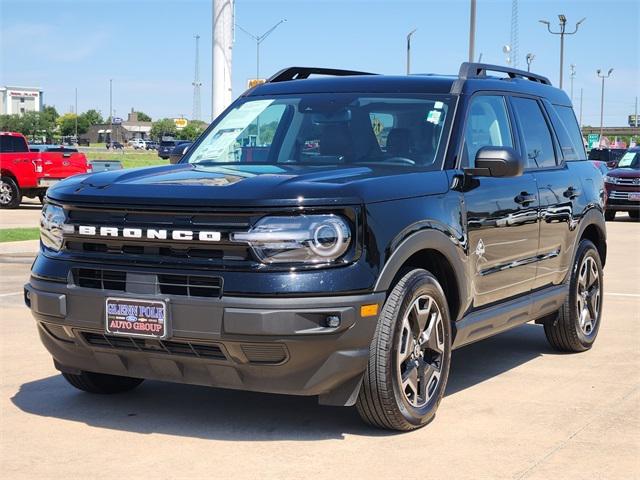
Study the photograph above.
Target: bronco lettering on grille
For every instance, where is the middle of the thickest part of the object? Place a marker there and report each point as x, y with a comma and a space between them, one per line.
151, 234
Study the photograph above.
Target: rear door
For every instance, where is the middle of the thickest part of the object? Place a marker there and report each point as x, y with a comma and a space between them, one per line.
558, 188
502, 213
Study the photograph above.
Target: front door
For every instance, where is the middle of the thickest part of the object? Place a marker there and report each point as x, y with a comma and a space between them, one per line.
501, 213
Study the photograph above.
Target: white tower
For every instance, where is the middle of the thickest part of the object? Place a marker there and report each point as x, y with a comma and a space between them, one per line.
514, 40
222, 43
197, 84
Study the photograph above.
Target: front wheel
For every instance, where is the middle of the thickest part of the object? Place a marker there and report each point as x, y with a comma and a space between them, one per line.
576, 326
10, 195
409, 356
101, 383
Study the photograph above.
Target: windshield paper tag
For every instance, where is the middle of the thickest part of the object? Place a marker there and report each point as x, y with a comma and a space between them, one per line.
434, 116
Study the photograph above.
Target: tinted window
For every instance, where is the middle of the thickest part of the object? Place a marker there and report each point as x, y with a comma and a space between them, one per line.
568, 119
538, 144
9, 143
487, 125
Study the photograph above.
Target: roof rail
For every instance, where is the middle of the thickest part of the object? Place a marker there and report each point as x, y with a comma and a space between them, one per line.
300, 73
479, 70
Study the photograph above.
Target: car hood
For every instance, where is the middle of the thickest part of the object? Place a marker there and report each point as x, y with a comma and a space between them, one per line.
249, 185
624, 172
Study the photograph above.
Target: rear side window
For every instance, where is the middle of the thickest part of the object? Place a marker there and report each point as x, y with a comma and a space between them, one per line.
487, 125
570, 124
10, 144
538, 143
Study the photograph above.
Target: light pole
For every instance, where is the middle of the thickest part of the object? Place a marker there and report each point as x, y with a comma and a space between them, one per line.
472, 30
562, 33
572, 75
111, 110
409, 50
602, 76
259, 39
530, 58
76, 109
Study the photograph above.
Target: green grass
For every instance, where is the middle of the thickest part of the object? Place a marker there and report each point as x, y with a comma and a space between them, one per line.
129, 159
18, 234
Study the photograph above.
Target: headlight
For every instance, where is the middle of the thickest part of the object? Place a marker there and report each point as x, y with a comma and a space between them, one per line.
298, 239
51, 226
610, 179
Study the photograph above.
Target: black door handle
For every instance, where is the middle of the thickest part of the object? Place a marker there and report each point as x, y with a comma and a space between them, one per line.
571, 193
524, 198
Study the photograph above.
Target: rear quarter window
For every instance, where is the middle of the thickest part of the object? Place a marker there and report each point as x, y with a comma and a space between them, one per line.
568, 133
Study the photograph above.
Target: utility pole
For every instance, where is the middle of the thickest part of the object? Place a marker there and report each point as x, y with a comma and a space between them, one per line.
111, 110
602, 76
196, 83
259, 39
409, 50
581, 92
472, 31
562, 32
635, 121
223, 12
76, 110
514, 40
530, 57
572, 75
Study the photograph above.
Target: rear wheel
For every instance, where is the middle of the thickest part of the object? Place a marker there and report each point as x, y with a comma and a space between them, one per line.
10, 195
609, 215
576, 326
409, 357
102, 383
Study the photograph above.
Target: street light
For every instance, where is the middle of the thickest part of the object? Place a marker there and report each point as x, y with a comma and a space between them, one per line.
259, 39
602, 76
530, 58
409, 50
562, 33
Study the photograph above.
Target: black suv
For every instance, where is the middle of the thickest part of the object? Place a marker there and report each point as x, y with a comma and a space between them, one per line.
335, 236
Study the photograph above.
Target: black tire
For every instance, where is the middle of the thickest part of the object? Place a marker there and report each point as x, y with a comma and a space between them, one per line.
565, 332
609, 215
10, 194
635, 214
41, 197
102, 383
383, 401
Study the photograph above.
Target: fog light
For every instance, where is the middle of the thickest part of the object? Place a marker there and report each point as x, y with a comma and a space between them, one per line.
332, 321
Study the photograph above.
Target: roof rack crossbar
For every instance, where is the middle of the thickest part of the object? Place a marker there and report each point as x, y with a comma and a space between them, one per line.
479, 70
300, 73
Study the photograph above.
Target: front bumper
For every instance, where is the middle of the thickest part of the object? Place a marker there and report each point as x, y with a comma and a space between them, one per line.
276, 345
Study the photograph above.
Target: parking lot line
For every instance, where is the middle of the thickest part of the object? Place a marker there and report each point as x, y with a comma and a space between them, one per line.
10, 294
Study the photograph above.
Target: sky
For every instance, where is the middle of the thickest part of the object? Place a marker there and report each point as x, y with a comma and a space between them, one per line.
148, 48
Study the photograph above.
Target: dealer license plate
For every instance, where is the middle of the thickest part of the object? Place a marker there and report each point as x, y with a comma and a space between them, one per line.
47, 182
634, 196
139, 318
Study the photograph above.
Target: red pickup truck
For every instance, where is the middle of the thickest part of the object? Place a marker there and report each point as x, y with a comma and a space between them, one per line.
29, 174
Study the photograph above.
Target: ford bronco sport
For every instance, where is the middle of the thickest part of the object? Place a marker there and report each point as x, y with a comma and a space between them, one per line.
335, 236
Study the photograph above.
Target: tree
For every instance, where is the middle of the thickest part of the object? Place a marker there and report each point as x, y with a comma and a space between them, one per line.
143, 117
163, 128
92, 117
50, 112
67, 124
31, 124
192, 130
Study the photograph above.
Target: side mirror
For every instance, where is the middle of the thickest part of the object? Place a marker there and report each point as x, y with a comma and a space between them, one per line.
497, 162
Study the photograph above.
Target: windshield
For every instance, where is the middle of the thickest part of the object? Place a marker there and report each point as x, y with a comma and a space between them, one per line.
330, 129
630, 160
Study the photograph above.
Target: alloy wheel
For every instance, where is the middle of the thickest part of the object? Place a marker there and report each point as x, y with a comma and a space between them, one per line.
420, 351
588, 297
6, 194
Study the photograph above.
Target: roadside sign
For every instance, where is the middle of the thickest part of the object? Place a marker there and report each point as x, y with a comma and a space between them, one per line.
116, 120
180, 123
254, 82
593, 139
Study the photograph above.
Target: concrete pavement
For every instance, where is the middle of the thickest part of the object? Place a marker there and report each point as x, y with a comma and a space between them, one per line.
514, 410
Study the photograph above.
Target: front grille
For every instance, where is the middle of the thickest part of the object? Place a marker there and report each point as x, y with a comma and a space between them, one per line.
160, 283
219, 253
627, 181
615, 195
168, 347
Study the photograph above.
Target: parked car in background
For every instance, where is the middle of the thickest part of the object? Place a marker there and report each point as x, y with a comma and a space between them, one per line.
137, 143
115, 146
166, 147
178, 151
622, 186
29, 173
610, 156
151, 145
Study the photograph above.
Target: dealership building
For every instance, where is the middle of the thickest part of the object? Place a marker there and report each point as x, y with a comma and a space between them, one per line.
20, 100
